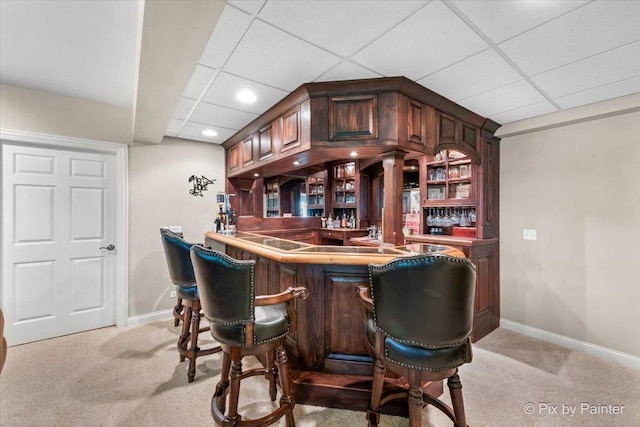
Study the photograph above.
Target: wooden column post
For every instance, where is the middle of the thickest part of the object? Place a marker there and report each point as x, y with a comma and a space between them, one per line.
392, 163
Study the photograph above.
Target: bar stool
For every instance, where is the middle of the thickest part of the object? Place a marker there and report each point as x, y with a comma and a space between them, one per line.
420, 317
176, 251
244, 324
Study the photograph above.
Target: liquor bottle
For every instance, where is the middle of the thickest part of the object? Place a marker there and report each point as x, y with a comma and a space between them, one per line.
343, 223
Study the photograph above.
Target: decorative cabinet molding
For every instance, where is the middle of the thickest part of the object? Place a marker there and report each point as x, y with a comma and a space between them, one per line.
234, 158
265, 143
353, 117
247, 152
291, 132
454, 134
416, 122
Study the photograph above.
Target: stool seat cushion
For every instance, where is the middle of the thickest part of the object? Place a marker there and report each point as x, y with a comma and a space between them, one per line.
271, 322
187, 292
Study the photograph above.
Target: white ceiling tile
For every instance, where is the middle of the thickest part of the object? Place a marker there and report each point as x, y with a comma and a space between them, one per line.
502, 19
200, 79
429, 40
184, 108
525, 112
341, 27
271, 56
347, 71
249, 6
598, 70
480, 73
174, 126
216, 115
193, 130
592, 29
228, 32
85, 50
505, 98
602, 93
225, 87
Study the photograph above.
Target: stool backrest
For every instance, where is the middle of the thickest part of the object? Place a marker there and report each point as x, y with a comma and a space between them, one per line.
226, 286
176, 251
424, 300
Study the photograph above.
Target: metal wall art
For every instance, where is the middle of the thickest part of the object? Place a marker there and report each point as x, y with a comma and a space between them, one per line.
200, 184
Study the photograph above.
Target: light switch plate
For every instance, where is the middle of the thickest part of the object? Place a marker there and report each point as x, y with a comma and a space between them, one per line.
172, 294
528, 234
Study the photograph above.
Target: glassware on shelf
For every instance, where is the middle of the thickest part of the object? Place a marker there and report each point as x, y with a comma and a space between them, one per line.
464, 219
455, 219
430, 218
472, 216
431, 175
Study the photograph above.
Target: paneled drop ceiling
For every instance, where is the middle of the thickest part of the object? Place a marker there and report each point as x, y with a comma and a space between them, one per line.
506, 60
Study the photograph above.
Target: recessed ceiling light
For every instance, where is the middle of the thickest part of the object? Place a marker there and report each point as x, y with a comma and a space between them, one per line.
413, 168
256, 174
354, 154
209, 132
296, 163
246, 96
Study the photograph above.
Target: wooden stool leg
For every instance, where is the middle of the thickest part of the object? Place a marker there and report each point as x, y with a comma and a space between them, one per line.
415, 400
455, 388
373, 413
270, 374
193, 349
285, 382
177, 312
183, 340
219, 399
234, 389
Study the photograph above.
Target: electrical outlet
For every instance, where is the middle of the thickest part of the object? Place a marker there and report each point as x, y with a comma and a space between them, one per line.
529, 234
173, 294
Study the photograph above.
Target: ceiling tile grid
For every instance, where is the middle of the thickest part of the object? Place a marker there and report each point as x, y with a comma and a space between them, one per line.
507, 60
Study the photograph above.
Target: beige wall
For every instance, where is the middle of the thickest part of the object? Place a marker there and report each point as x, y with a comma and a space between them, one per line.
43, 112
579, 186
159, 196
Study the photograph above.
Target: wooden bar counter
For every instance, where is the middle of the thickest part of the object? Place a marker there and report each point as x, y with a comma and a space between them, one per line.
327, 344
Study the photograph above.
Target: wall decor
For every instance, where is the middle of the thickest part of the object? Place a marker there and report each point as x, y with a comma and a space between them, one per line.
200, 184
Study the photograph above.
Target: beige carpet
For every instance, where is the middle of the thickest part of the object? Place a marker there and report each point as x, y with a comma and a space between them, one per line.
131, 376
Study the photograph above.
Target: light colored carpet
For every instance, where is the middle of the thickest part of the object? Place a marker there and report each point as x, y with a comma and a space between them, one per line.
131, 376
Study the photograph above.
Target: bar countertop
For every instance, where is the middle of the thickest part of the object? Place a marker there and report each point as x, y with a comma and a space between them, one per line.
289, 251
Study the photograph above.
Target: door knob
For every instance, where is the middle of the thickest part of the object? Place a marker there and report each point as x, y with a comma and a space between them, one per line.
109, 248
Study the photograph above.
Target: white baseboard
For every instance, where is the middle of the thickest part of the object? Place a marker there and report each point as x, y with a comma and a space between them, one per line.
595, 350
150, 317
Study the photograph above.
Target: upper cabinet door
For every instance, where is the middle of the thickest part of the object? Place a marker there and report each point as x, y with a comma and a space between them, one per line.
291, 132
233, 161
353, 117
247, 152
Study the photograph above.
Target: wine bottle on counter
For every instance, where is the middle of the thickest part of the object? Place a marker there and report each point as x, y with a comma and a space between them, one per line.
343, 223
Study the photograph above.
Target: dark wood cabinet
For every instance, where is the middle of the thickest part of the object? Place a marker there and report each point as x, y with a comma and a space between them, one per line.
272, 195
388, 124
316, 186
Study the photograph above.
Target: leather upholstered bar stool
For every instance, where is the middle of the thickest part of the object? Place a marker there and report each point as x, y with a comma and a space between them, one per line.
176, 251
244, 324
420, 317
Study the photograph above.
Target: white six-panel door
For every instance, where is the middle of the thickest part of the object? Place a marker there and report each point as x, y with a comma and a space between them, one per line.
59, 210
